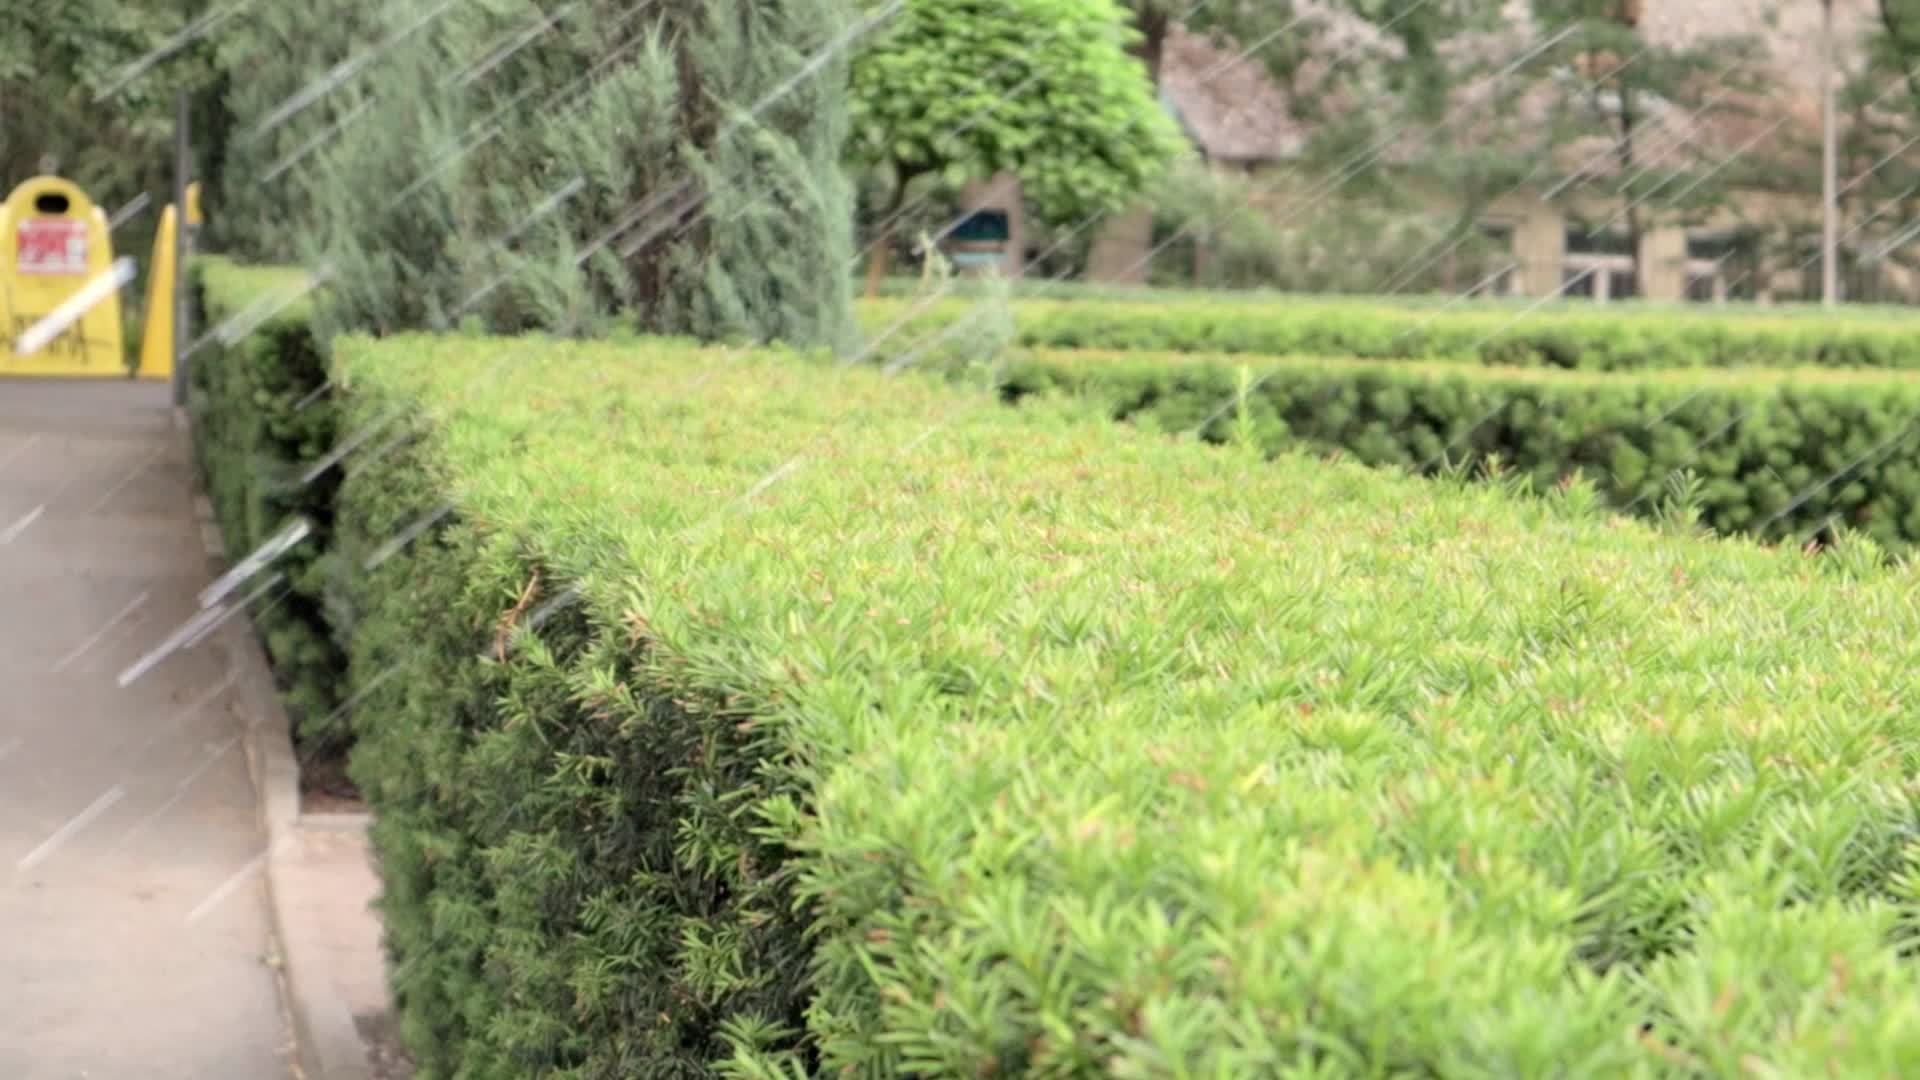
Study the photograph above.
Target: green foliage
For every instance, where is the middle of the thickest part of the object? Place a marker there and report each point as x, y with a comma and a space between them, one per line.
551, 168
1394, 98
1572, 336
267, 63
1782, 454
1876, 108
1042, 89
1349, 246
88, 86
259, 424
1617, 85
1354, 782
57, 57
866, 773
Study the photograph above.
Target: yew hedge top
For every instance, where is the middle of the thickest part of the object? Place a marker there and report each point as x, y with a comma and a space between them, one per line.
1561, 337
1116, 756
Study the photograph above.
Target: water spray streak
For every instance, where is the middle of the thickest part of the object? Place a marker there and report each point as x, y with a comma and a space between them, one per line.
67, 832
87, 646
277, 545
62, 318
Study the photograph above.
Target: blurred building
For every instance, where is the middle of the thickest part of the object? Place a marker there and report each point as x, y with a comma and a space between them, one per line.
1759, 137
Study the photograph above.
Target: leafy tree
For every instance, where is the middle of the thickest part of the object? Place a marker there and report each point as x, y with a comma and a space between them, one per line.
1615, 83
89, 89
57, 60
1389, 54
1234, 244
1879, 117
1043, 89
1895, 48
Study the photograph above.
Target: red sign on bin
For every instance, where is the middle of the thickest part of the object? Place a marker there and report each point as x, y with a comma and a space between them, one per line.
51, 246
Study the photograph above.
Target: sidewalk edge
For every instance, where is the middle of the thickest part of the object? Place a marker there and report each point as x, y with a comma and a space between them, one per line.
327, 1043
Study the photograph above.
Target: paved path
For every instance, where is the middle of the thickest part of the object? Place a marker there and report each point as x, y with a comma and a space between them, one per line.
134, 933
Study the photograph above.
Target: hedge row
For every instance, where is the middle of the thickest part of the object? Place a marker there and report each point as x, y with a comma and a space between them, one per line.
1033, 287
259, 428
1566, 337
1777, 454
727, 715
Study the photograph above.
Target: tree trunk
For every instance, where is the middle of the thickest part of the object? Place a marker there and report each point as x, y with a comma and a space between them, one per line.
882, 257
1152, 46
1634, 224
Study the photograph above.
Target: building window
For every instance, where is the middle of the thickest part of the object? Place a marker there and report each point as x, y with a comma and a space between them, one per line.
1597, 277
1722, 265
1606, 256
1586, 240
1713, 245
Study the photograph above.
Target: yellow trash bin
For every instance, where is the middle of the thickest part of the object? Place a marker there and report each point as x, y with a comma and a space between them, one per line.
54, 244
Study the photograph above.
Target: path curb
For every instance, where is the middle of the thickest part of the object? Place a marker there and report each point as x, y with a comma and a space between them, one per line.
327, 1043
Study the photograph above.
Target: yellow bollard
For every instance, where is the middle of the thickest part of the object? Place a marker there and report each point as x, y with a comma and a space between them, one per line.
54, 244
156, 341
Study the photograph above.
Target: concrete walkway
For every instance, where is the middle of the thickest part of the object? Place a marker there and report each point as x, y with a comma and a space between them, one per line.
135, 939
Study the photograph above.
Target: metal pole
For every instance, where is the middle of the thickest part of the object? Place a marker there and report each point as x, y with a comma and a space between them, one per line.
182, 166
1829, 166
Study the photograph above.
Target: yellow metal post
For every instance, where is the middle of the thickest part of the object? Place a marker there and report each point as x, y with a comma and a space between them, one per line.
53, 243
156, 340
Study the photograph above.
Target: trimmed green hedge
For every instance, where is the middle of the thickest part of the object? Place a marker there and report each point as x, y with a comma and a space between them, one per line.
259, 426
725, 714
1777, 453
1564, 337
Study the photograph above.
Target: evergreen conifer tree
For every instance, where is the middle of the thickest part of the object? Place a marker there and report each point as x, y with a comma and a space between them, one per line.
272, 65
542, 166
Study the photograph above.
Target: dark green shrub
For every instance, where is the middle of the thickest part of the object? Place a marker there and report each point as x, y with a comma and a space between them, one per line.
261, 424
1782, 454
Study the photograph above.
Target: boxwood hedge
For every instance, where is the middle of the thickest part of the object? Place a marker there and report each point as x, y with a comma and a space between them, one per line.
259, 427
725, 714
1782, 454
1565, 337
729, 714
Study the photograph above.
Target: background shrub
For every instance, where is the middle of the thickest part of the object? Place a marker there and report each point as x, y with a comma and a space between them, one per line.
1781, 454
1490, 334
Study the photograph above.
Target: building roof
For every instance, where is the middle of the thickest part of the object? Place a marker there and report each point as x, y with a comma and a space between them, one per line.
1229, 104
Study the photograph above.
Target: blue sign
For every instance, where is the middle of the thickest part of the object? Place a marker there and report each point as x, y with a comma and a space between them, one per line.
983, 227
